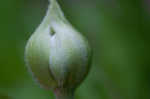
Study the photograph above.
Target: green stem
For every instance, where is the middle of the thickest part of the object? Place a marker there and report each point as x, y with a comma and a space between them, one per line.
64, 94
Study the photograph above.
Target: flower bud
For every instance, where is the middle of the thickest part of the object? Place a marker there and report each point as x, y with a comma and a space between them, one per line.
57, 55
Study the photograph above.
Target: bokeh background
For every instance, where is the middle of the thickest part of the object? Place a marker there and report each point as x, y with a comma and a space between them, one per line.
118, 31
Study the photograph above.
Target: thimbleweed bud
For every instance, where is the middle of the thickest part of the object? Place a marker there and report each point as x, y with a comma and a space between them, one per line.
57, 55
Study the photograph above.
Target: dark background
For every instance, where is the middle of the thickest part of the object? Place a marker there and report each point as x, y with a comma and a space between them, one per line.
118, 31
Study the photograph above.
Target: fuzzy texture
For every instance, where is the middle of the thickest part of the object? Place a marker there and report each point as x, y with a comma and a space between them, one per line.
57, 55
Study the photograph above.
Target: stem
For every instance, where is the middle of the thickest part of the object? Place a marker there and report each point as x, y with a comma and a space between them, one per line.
64, 94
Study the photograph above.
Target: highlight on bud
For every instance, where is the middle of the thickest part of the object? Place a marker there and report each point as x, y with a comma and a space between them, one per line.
57, 55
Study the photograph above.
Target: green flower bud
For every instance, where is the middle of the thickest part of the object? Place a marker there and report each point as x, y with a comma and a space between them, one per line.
57, 55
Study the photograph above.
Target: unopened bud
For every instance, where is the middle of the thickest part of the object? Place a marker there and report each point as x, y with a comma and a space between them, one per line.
57, 54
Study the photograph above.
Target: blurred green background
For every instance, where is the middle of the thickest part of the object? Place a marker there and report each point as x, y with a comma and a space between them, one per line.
119, 33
